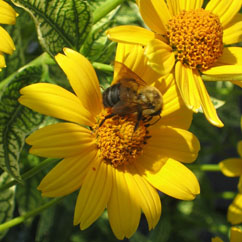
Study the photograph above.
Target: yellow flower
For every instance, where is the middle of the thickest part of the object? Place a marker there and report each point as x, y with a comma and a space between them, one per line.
113, 166
189, 41
234, 214
235, 236
7, 16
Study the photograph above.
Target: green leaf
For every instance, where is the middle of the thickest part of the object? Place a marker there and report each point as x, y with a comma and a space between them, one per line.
60, 23
16, 121
6, 202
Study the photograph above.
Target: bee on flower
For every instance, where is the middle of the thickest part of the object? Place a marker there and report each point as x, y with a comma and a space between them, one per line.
189, 41
113, 166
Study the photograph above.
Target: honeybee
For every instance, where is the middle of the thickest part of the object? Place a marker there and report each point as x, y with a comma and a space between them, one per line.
130, 94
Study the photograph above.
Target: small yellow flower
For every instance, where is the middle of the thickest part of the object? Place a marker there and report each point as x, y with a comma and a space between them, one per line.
235, 236
113, 166
7, 16
189, 40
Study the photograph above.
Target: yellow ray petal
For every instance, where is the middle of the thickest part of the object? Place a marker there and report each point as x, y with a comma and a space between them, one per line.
235, 235
231, 56
2, 61
7, 45
82, 78
239, 148
145, 195
174, 112
123, 211
130, 34
55, 101
216, 239
67, 176
160, 56
234, 215
174, 143
225, 9
184, 5
232, 32
175, 180
231, 167
61, 140
187, 86
7, 13
94, 194
155, 14
224, 70
207, 105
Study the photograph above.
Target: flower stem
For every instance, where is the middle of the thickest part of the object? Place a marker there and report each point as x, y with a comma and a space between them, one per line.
107, 7
30, 173
102, 67
227, 195
205, 167
32, 213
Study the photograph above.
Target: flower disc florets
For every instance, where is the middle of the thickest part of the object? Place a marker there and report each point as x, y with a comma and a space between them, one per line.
197, 37
117, 141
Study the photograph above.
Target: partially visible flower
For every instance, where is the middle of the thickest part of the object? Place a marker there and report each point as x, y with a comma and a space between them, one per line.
113, 166
7, 16
189, 41
234, 214
235, 236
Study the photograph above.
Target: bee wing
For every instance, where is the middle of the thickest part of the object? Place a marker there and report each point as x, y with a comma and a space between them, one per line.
127, 77
122, 108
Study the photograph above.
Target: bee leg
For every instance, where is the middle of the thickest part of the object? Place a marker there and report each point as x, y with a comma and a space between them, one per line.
105, 118
139, 117
155, 121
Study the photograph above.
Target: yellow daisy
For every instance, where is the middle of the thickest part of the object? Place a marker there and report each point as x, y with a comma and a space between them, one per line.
235, 236
189, 40
113, 166
7, 16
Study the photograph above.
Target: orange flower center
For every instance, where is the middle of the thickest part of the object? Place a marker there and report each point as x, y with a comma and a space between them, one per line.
197, 38
117, 141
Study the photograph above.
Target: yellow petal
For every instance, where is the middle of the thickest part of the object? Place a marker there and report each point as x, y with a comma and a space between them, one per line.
235, 235
232, 32
239, 148
234, 215
61, 140
94, 194
187, 86
216, 239
231, 167
155, 14
231, 56
174, 112
176, 7
225, 9
55, 101
146, 196
82, 78
132, 56
7, 45
7, 13
2, 61
207, 106
170, 180
174, 143
67, 176
238, 83
130, 34
160, 56
224, 71
123, 211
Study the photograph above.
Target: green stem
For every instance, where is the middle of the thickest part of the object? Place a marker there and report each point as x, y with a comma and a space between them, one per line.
222, 78
40, 60
102, 67
205, 167
30, 173
32, 213
227, 195
107, 7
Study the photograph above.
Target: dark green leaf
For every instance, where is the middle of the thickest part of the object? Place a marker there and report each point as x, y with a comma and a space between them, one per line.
6, 202
60, 23
16, 121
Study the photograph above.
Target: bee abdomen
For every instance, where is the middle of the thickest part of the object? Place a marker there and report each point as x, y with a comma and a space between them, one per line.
111, 95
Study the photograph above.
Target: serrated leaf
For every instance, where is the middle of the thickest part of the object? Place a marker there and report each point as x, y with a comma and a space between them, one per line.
16, 121
60, 23
6, 201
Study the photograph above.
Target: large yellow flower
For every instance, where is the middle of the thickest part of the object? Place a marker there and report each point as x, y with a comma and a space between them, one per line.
113, 166
188, 40
235, 236
7, 16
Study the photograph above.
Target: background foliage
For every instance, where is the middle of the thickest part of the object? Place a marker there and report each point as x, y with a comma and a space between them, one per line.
46, 27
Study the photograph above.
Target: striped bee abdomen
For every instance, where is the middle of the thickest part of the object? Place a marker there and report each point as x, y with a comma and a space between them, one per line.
111, 95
